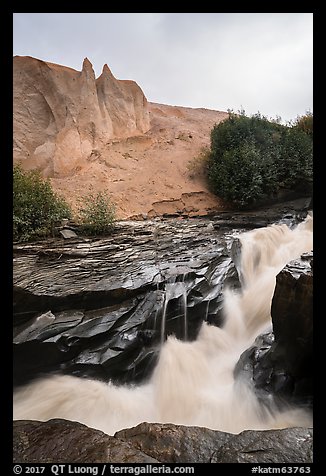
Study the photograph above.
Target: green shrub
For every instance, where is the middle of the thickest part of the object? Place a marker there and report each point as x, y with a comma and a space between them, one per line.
198, 165
294, 162
97, 214
238, 184
305, 123
36, 207
252, 158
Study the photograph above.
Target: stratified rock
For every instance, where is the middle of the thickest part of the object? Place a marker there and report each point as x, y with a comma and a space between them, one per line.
63, 116
291, 355
63, 441
292, 314
108, 298
283, 365
175, 443
291, 445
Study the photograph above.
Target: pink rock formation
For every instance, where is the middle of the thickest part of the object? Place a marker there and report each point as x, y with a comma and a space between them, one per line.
62, 117
90, 134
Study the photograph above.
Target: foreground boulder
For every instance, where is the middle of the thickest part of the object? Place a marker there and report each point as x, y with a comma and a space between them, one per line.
175, 443
291, 445
186, 444
62, 441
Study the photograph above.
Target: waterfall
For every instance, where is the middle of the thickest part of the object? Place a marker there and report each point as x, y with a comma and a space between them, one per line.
193, 382
185, 311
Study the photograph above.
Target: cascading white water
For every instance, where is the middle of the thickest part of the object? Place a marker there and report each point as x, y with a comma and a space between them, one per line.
193, 382
185, 313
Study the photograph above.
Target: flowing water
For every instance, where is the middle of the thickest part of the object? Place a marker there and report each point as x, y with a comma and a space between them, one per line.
193, 382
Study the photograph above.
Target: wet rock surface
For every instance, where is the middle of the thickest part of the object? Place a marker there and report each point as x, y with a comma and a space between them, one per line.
102, 307
62, 441
96, 307
175, 443
290, 445
289, 212
280, 363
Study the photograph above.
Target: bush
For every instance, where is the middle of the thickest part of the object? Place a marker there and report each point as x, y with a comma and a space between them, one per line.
252, 158
295, 159
305, 123
97, 214
36, 207
238, 184
198, 165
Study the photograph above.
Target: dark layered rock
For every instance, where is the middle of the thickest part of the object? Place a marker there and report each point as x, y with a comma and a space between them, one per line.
62, 441
281, 363
289, 212
95, 307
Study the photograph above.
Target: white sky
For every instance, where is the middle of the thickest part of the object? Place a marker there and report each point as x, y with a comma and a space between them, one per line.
253, 61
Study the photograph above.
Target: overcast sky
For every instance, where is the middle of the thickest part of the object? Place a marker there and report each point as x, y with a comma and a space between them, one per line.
253, 61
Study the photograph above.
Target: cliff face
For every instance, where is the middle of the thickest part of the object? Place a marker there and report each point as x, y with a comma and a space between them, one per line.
63, 116
102, 135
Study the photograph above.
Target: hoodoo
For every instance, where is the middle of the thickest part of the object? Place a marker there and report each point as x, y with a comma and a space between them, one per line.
62, 116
